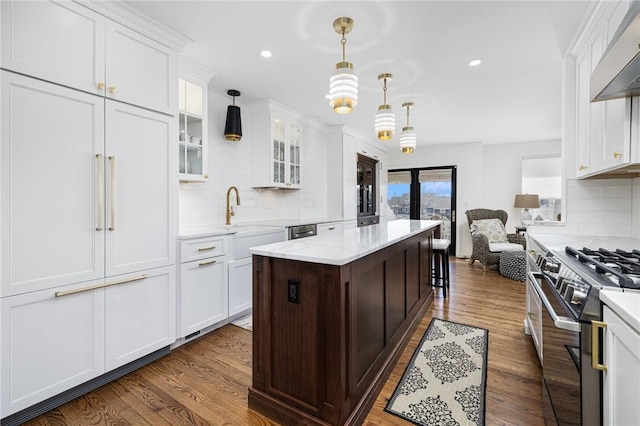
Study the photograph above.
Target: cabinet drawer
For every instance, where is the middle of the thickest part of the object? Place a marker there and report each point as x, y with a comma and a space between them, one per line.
200, 248
324, 228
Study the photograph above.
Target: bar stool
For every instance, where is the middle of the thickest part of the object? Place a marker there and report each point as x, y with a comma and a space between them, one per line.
441, 264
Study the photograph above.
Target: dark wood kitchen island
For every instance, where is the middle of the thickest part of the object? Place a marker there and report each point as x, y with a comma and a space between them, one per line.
331, 315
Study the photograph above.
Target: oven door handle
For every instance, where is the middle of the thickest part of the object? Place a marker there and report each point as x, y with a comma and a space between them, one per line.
564, 323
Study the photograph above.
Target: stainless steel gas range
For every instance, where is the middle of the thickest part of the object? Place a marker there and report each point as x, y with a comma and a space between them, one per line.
567, 283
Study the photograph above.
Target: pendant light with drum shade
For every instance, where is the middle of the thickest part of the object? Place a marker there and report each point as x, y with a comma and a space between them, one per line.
343, 84
385, 123
233, 126
408, 136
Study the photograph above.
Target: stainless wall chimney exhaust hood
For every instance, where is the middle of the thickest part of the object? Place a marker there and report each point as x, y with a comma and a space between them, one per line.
617, 75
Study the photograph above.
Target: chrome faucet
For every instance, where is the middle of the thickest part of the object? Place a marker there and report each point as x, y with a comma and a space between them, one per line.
229, 207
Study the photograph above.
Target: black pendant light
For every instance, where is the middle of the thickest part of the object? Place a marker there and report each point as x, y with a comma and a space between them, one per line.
233, 127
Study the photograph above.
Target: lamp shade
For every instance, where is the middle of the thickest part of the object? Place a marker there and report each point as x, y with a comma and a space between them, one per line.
527, 201
385, 122
233, 125
343, 88
407, 140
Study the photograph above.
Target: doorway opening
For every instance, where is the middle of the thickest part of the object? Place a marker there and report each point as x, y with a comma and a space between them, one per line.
427, 193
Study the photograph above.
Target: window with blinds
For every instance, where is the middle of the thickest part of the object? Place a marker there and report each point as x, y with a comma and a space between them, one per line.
543, 176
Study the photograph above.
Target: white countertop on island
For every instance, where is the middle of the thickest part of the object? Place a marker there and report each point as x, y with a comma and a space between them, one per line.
340, 248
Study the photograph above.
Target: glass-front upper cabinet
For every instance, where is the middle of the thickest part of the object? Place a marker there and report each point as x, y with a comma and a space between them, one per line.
276, 149
294, 154
193, 129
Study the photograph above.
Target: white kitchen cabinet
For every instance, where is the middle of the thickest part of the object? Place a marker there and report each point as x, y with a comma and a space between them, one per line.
192, 107
66, 43
533, 320
241, 267
621, 381
140, 190
55, 339
90, 191
277, 137
52, 197
603, 129
326, 228
203, 282
140, 315
240, 285
49, 344
87, 198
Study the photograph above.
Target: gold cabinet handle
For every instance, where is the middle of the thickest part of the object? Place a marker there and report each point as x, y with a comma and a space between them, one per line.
582, 167
208, 262
100, 85
112, 226
206, 248
93, 287
206, 175
112, 89
100, 190
595, 344
617, 154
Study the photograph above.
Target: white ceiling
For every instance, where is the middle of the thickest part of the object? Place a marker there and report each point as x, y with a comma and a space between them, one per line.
513, 96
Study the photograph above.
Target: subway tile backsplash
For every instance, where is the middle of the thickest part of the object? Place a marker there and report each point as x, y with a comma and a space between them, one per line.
603, 207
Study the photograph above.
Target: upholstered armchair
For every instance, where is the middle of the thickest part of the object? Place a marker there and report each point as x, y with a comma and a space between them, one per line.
487, 245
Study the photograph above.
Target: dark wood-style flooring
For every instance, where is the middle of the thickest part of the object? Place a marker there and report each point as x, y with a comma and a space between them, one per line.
205, 382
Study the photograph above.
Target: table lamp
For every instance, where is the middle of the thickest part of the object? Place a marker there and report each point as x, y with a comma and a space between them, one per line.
526, 202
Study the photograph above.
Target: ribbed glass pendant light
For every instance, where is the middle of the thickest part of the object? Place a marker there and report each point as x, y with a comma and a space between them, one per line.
385, 123
408, 136
343, 84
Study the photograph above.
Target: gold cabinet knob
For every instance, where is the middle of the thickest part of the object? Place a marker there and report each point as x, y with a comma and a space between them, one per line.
112, 89
617, 154
206, 175
582, 167
100, 85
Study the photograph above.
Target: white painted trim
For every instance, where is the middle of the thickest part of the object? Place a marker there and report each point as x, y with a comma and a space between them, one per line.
130, 17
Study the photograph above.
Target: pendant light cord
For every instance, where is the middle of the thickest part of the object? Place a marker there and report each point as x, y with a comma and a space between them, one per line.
384, 89
408, 115
344, 44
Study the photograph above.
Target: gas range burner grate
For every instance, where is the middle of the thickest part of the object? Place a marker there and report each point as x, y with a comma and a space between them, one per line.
619, 265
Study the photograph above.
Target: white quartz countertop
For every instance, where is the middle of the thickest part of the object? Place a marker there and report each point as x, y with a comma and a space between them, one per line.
340, 248
626, 304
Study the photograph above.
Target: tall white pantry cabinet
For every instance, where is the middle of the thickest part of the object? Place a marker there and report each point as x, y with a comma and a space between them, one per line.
87, 198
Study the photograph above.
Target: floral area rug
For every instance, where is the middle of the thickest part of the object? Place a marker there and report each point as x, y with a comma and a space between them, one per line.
245, 322
445, 382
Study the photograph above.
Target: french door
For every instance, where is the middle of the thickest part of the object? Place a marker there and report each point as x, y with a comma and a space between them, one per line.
427, 193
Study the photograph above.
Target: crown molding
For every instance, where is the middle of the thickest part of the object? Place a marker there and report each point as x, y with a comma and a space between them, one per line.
128, 16
195, 69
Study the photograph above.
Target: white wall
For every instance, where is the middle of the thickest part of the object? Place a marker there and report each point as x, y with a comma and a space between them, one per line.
502, 165
488, 176
204, 203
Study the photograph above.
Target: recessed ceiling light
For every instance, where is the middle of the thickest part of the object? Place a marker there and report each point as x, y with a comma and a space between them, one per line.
475, 62
265, 53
